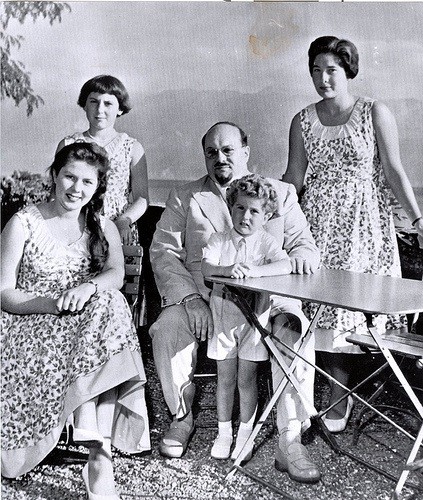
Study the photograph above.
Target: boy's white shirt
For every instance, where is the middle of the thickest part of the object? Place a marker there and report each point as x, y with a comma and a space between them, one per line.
261, 248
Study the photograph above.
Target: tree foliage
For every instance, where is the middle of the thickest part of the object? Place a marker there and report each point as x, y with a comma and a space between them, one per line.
15, 79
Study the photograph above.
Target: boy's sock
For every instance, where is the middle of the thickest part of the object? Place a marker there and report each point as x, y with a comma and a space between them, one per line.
244, 431
290, 434
225, 428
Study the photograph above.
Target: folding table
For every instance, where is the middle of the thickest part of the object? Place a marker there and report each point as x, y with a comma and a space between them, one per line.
368, 293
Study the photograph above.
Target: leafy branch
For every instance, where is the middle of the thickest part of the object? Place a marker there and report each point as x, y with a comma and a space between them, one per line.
15, 79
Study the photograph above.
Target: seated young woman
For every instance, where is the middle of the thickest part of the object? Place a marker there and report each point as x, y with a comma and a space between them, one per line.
69, 345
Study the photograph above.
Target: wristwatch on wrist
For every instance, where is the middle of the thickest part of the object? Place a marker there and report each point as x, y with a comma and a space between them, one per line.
189, 298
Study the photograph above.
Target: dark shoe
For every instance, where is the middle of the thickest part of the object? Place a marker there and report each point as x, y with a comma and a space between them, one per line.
296, 461
175, 441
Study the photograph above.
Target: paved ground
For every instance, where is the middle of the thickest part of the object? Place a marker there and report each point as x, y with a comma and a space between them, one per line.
198, 476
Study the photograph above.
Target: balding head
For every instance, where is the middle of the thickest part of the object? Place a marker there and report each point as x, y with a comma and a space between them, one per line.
226, 152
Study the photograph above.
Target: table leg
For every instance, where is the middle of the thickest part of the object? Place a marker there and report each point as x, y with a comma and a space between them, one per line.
288, 371
411, 458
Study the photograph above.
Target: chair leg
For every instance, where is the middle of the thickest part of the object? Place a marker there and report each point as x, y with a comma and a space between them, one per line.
358, 420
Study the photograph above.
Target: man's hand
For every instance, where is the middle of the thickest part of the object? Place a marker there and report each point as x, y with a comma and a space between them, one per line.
200, 318
301, 266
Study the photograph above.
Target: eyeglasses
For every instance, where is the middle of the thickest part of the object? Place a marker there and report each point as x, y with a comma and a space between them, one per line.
213, 152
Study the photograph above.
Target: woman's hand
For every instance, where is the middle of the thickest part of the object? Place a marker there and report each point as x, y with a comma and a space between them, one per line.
75, 299
124, 227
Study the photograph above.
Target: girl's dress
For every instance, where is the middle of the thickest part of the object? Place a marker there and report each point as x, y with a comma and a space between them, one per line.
52, 364
347, 202
118, 195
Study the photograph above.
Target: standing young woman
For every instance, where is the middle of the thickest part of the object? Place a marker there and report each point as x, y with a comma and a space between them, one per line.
68, 342
349, 145
104, 98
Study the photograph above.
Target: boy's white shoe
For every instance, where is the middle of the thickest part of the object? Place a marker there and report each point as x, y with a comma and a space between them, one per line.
240, 442
221, 448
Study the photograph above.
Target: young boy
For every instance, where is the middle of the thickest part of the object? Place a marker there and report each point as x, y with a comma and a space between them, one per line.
245, 251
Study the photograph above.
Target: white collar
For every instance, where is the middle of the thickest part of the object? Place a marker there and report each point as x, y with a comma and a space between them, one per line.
249, 240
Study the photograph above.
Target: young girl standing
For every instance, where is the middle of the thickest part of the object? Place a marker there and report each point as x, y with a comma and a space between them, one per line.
344, 152
104, 98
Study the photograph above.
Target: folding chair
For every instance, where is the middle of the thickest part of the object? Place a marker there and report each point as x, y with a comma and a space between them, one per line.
402, 346
132, 288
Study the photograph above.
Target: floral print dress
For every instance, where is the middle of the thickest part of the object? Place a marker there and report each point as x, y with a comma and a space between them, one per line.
118, 192
347, 203
51, 364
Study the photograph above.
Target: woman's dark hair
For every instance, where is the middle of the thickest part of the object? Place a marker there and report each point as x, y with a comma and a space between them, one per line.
255, 186
243, 135
345, 50
96, 156
106, 84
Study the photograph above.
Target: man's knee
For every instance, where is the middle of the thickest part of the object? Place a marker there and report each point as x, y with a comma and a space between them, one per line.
171, 327
286, 321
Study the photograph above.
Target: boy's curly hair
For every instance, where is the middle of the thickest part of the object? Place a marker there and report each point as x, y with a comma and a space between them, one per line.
256, 186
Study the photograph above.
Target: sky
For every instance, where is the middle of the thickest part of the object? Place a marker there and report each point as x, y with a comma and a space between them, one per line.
187, 65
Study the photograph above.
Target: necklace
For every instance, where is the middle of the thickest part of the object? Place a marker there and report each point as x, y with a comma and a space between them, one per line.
103, 143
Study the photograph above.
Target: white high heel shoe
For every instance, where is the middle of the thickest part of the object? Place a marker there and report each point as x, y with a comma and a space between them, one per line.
339, 424
94, 496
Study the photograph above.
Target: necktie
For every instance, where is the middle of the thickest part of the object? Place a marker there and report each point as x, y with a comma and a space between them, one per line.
241, 254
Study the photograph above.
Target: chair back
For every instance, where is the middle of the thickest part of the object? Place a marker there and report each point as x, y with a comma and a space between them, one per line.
133, 283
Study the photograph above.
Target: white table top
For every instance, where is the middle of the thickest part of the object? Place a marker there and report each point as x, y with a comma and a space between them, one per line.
368, 293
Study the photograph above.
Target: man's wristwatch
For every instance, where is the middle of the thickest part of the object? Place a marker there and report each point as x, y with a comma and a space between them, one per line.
189, 298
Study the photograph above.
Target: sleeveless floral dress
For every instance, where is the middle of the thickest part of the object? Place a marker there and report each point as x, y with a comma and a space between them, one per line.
347, 203
118, 193
51, 364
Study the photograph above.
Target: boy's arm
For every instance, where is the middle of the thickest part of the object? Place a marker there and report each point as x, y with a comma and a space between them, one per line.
237, 270
209, 268
272, 269
212, 252
276, 260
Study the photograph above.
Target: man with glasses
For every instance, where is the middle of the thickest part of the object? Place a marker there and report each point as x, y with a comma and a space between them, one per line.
193, 212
